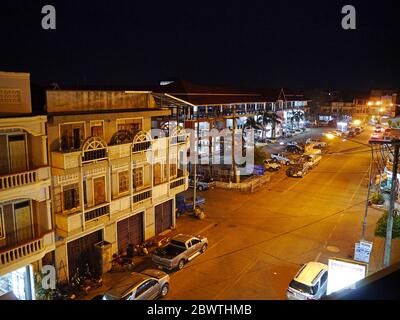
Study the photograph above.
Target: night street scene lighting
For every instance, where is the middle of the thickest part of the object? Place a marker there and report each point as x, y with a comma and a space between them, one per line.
206, 156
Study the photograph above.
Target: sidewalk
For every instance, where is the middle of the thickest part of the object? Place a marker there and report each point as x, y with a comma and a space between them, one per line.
186, 224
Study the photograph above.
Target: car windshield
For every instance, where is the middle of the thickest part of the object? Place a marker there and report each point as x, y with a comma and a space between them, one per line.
301, 287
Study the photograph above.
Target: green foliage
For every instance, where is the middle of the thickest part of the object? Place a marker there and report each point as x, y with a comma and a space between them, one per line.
42, 294
259, 156
377, 198
380, 229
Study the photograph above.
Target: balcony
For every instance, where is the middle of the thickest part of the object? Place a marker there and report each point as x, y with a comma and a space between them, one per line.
96, 213
27, 252
65, 160
141, 196
178, 185
18, 184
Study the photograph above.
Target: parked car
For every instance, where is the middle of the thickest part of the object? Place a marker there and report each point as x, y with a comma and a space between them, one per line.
272, 141
298, 170
279, 157
184, 204
295, 149
270, 165
147, 285
316, 142
338, 133
202, 183
179, 251
310, 283
313, 160
291, 143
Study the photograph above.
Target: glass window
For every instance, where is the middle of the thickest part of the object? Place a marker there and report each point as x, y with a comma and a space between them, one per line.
123, 181
131, 125
71, 136
137, 178
71, 196
145, 286
324, 278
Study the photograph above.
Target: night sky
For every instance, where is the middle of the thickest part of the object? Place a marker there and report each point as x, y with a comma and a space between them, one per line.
297, 44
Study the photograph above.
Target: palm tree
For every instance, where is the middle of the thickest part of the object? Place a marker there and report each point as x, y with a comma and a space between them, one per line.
296, 117
270, 117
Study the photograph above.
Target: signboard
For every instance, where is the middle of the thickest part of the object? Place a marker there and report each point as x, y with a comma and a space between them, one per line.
362, 251
344, 273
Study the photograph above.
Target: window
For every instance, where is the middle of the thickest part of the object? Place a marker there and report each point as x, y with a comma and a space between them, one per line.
145, 287
137, 178
71, 196
123, 181
96, 129
2, 228
71, 136
172, 169
131, 125
195, 241
324, 278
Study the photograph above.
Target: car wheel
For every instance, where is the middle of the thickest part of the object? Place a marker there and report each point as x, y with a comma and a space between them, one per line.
181, 264
204, 248
274, 160
164, 290
200, 188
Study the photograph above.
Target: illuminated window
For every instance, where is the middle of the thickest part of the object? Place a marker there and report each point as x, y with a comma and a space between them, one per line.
71, 136
133, 126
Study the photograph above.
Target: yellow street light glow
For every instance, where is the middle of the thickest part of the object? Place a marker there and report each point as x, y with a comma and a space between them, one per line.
369, 103
378, 103
330, 136
357, 122
381, 110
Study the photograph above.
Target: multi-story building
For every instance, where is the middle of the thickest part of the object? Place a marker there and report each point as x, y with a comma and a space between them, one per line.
114, 178
26, 231
206, 108
382, 103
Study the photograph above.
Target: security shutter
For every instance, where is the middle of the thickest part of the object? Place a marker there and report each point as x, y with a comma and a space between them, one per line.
163, 215
130, 231
82, 252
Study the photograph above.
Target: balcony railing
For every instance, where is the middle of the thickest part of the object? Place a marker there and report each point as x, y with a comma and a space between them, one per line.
97, 212
34, 246
177, 183
92, 155
15, 180
144, 195
141, 146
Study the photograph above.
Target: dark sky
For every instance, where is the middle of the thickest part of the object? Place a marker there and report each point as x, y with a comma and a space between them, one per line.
296, 43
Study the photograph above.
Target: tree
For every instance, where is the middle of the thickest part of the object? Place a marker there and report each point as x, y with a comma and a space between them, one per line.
269, 117
380, 229
296, 117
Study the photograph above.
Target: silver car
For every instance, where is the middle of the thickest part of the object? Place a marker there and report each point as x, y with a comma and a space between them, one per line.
147, 285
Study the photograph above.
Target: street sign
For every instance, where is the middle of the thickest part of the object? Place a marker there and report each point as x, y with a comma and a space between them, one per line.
362, 251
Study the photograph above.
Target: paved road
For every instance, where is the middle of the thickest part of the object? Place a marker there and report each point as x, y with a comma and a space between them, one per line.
258, 241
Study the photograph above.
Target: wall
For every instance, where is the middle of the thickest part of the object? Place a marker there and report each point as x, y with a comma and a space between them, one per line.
15, 93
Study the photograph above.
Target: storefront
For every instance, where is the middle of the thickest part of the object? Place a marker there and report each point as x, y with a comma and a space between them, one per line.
18, 283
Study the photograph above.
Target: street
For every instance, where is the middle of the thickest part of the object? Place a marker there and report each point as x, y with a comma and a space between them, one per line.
259, 241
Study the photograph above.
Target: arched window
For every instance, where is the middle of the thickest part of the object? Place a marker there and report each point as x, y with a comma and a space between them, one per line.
141, 142
94, 148
121, 137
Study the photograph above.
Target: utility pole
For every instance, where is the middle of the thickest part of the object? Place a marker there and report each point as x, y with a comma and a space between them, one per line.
393, 194
364, 225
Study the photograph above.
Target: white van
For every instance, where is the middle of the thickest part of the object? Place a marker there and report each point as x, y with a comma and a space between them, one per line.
313, 160
310, 283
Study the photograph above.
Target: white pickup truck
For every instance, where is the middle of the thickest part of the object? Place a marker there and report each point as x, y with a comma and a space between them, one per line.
279, 157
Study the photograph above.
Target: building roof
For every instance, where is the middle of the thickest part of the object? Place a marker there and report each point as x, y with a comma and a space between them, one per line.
202, 95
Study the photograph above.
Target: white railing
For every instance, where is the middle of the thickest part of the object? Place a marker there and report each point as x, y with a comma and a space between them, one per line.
27, 249
15, 180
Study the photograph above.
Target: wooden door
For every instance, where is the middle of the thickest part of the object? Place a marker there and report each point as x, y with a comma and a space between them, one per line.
23, 221
99, 190
17, 153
